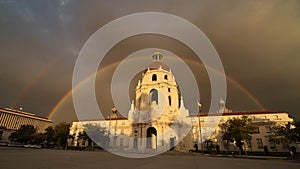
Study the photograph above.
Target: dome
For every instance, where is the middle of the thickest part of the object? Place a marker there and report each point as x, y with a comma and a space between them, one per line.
157, 62
157, 65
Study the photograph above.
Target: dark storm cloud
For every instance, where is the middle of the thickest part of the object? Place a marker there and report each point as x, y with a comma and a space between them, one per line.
258, 43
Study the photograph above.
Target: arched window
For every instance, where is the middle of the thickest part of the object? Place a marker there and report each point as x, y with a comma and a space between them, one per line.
166, 77
170, 101
153, 96
154, 77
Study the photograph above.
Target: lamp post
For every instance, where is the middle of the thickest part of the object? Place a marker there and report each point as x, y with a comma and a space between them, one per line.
200, 133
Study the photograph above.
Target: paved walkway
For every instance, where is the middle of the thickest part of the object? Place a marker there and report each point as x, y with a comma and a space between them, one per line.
55, 159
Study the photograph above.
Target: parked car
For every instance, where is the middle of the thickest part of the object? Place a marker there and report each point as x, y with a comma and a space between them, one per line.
32, 146
3, 144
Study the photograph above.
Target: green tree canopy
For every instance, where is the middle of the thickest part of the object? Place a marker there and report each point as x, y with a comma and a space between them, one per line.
290, 133
83, 137
61, 133
238, 130
97, 134
49, 136
25, 134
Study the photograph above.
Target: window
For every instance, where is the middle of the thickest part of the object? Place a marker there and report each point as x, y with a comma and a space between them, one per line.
135, 143
276, 117
248, 142
153, 96
268, 129
226, 145
154, 77
170, 101
1, 132
256, 130
169, 89
121, 142
272, 145
140, 101
285, 145
259, 143
166, 77
115, 141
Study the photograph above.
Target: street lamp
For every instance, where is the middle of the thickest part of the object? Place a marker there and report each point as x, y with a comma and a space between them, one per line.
200, 133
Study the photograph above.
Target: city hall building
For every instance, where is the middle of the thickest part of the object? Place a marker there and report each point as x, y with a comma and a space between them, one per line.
159, 121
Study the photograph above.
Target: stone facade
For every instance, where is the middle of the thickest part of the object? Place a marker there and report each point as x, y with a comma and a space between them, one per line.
212, 132
11, 120
159, 121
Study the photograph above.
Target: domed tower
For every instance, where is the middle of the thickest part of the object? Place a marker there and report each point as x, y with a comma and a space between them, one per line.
157, 92
157, 105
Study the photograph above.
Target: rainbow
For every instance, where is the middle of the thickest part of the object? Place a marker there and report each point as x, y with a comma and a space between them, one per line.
69, 93
27, 88
112, 65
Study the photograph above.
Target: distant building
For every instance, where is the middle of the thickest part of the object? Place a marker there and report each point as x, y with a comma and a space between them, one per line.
11, 120
159, 121
212, 134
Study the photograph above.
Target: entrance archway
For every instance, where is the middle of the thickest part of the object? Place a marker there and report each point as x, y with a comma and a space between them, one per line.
151, 138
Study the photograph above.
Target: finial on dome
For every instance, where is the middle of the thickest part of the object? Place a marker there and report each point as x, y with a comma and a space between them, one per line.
157, 56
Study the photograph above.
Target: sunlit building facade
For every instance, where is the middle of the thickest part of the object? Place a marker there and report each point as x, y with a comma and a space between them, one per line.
12, 119
159, 121
154, 118
211, 131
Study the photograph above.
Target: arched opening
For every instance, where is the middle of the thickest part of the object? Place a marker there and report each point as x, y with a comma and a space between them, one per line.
154, 77
166, 77
151, 138
153, 96
170, 101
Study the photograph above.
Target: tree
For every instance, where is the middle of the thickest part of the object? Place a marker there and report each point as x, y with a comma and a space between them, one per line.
290, 133
39, 138
97, 134
84, 137
61, 133
49, 136
24, 135
238, 130
209, 145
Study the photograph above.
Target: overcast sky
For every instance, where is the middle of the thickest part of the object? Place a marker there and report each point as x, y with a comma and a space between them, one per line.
258, 43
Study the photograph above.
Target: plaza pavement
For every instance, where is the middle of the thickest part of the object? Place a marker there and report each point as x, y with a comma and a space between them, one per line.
24, 158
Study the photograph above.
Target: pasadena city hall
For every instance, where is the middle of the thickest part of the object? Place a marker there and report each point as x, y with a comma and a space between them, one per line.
159, 121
